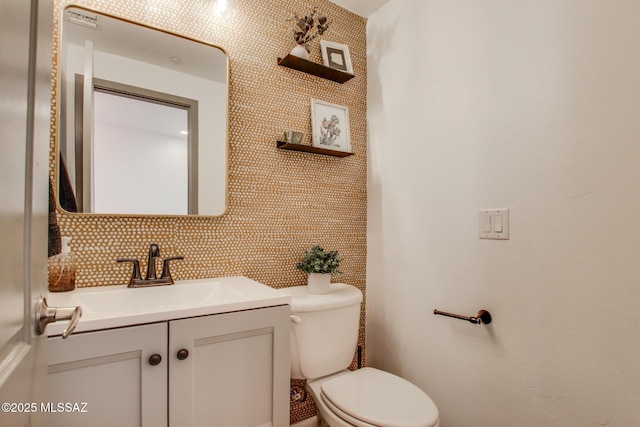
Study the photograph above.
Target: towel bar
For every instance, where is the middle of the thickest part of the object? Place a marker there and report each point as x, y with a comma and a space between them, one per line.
483, 317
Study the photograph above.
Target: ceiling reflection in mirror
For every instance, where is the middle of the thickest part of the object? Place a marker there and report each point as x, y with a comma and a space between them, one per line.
142, 120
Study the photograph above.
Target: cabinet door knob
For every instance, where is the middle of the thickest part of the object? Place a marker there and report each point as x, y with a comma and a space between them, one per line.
155, 359
183, 354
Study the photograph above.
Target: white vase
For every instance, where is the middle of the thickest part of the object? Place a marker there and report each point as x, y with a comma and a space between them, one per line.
300, 52
319, 283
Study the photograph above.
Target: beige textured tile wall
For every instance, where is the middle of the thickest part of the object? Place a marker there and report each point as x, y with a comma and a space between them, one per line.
280, 202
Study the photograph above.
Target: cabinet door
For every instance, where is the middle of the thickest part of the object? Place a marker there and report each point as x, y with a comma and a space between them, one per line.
236, 373
110, 371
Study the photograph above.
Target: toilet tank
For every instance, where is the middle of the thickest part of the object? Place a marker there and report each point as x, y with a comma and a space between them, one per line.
324, 330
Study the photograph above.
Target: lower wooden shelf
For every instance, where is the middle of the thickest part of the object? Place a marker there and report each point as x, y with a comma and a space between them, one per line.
309, 149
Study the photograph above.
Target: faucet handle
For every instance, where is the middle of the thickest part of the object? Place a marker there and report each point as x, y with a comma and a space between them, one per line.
135, 274
166, 274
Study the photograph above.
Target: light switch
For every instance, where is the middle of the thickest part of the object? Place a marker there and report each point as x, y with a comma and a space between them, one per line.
493, 224
486, 223
497, 220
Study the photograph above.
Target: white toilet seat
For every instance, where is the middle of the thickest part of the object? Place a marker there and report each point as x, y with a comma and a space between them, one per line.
344, 416
369, 397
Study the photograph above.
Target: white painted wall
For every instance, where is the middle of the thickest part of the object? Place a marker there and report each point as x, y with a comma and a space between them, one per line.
361, 7
534, 106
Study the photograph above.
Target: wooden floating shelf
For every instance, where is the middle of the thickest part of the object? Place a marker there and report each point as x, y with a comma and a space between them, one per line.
309, 149
310, 67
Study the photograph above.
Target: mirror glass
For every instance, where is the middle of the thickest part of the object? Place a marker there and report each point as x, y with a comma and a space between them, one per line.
142, 120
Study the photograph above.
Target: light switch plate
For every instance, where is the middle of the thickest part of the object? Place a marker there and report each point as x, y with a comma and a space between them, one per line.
493, 224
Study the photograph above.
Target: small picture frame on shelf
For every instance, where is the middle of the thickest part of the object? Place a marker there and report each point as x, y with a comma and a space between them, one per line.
330, 126
336, 55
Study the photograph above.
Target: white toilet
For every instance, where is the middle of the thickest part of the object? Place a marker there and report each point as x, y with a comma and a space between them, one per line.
324, 335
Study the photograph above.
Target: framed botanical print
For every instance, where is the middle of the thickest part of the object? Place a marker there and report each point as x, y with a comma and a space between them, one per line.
330, 126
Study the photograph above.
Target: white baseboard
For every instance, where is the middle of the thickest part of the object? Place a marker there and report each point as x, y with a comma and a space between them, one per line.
309, 422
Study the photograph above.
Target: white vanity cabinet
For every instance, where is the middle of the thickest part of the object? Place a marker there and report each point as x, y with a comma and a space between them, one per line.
222, 370
110, 372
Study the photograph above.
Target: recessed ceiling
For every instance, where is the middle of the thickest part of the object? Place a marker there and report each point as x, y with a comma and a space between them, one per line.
361, 7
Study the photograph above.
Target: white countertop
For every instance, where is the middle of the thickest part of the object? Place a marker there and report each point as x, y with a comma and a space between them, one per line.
107, 307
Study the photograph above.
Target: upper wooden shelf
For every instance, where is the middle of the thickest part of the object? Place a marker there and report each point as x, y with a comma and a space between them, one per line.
310, 67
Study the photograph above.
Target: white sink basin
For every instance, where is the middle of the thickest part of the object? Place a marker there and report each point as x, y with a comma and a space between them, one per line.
120, 299
114, 306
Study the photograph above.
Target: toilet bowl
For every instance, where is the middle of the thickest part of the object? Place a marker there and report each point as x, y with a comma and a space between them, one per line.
370, 397
324, 333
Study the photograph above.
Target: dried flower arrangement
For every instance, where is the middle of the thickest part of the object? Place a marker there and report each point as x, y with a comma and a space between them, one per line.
308, 27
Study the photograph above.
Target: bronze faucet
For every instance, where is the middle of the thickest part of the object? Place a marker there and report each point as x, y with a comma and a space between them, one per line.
151, 278
154, 252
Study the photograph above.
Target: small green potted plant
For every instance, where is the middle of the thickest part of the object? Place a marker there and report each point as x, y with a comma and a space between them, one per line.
319, 265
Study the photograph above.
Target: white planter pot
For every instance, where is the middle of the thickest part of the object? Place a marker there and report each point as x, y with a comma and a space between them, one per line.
319, 283
300, 52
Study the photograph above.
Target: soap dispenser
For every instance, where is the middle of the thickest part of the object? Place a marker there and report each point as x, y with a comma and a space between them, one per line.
62, 269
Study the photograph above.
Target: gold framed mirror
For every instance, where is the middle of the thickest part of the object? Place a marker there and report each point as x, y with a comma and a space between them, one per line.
142, 119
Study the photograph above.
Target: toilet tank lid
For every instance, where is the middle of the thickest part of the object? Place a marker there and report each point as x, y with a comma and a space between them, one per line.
340, 295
